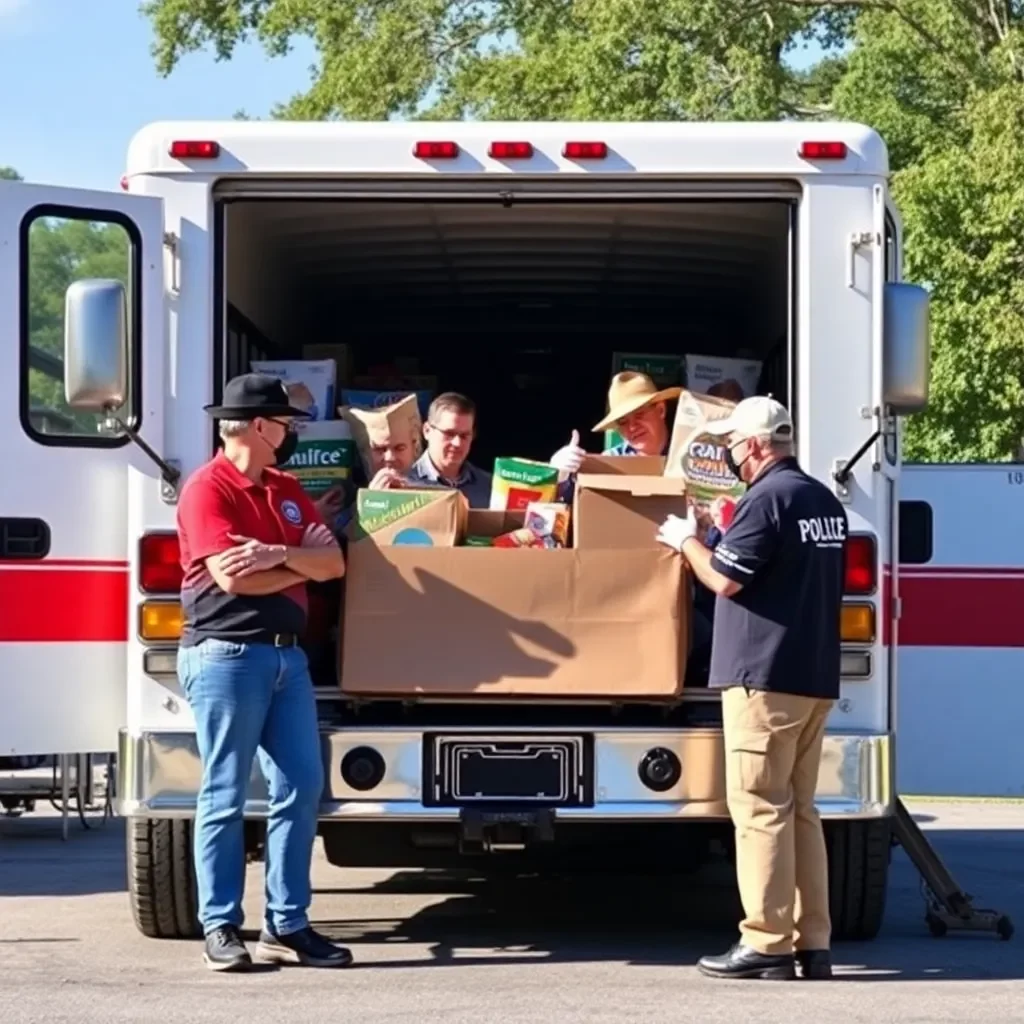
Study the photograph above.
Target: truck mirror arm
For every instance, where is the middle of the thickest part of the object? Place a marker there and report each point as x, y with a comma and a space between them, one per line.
842, 475
168, 473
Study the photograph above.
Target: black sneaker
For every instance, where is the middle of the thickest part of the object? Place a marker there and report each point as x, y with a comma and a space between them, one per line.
225, 950
304, 947
814, 964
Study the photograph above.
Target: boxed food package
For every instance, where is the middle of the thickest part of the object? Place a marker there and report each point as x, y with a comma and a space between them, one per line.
665, 370
517, 482
311, 382
341, 352
621, 500
697, 457
323, 457
376, 398
564, 623
733, 379
549, 521
542, 525
420, 518
382, 426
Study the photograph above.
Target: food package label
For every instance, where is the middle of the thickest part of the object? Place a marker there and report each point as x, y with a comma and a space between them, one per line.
699, 457
517, 482
323, 457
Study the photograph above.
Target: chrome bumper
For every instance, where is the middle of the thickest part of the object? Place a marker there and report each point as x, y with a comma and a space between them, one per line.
159, 775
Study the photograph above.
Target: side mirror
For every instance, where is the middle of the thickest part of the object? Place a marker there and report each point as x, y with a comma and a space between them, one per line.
96, 346
906, 347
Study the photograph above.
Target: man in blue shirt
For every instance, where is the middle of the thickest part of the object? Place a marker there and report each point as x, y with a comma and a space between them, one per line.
778, 577
449, 433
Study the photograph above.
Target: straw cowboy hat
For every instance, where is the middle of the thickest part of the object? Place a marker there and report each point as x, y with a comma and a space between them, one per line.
630, 391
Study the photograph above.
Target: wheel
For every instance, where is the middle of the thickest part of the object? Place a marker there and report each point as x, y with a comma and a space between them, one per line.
162, 879
858, 866
1004, 928
936, 926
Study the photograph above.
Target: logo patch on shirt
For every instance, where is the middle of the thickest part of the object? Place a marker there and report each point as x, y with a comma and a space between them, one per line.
291, 511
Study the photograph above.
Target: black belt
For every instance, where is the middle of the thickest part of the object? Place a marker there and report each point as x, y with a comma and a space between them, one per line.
277, 639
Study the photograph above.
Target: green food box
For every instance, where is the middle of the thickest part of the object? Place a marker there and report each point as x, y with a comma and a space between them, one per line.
323, 457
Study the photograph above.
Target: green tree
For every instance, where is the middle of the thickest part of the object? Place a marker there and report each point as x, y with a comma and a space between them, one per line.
9, 174
941, 80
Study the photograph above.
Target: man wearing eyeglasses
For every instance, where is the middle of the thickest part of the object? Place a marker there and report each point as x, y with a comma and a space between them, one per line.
449, 433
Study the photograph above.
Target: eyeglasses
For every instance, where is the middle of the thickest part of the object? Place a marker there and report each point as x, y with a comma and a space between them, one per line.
452, 435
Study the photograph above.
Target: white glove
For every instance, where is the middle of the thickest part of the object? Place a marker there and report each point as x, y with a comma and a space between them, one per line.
568, 459
674, 532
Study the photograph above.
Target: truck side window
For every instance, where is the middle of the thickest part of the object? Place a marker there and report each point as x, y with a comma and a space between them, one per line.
916, 536
60, 246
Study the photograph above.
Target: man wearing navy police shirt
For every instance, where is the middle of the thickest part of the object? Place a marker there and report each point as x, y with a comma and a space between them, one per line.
778, 578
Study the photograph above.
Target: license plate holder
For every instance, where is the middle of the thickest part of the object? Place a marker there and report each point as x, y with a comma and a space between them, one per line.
465, 770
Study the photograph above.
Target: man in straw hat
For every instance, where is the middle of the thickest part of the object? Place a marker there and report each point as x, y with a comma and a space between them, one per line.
778, 576
637, 410
250, 541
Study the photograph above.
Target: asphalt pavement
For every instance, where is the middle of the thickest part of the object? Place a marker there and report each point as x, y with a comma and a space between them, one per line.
435, 948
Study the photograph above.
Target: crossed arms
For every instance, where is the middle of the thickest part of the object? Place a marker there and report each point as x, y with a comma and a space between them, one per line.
254, 568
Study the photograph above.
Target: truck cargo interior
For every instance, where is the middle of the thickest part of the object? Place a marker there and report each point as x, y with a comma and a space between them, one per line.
520, 307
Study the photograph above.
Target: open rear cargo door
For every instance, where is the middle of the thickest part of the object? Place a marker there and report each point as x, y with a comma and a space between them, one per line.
64, 571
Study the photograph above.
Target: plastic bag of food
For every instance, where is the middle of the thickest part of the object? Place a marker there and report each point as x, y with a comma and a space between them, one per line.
699, 457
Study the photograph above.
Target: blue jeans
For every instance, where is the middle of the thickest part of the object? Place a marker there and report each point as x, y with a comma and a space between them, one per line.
251, 699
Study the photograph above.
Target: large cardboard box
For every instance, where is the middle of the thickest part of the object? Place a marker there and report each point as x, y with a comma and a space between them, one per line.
621, 501
491, 621
403, 517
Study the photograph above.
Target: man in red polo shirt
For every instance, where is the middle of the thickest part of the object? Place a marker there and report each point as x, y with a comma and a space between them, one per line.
250, 542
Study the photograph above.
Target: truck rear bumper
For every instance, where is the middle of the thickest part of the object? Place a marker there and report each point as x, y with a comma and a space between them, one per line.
160, 772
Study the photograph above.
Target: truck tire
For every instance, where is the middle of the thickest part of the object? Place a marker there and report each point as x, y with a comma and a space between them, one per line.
162, 878
858, 866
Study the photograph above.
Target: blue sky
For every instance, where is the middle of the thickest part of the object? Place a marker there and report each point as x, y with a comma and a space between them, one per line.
77, 80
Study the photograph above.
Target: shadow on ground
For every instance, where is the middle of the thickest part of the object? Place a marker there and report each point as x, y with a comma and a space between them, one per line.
674, 921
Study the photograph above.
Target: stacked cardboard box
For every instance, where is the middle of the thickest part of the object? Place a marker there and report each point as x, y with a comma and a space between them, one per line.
608, 617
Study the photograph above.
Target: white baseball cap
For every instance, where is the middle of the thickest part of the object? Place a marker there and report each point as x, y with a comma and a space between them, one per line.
759, 416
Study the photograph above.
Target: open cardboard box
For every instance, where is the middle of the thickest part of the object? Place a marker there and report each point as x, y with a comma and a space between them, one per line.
621, 500
608, 619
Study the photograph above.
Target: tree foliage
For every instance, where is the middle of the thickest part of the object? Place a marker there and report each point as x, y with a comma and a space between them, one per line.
60, 252
9, 174
942, 80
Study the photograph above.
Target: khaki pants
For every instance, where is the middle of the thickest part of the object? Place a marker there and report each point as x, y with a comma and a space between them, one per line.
772, 753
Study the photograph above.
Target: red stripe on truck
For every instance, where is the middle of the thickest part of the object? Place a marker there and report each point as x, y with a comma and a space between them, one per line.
961, 606
64, 601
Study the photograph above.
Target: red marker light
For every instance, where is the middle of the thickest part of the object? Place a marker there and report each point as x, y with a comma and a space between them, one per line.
511, 150
195, 149
860, 568
436, 150
124, 182
823, 150
160, 569
585, 150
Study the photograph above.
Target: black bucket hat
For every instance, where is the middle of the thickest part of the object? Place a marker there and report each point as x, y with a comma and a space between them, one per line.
254, 394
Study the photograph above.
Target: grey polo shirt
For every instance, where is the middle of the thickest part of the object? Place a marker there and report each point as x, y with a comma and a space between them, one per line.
473, 482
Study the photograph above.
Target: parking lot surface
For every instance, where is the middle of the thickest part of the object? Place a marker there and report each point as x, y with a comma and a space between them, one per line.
433, 947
